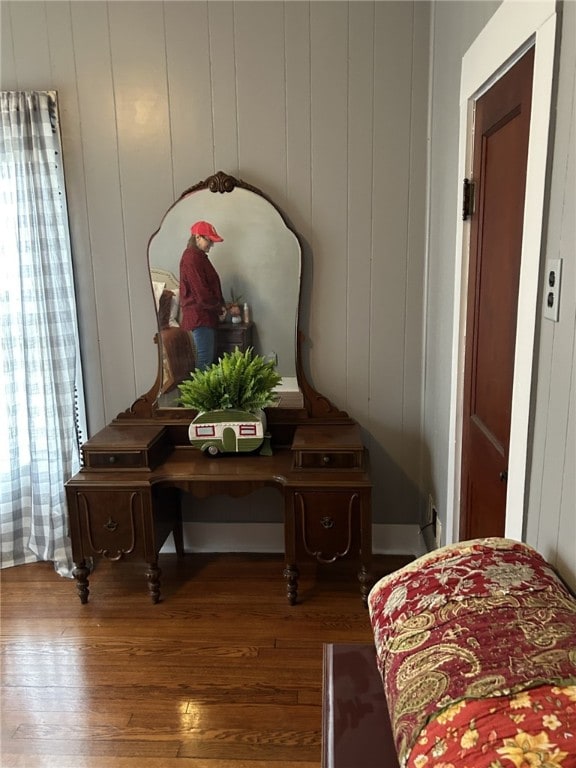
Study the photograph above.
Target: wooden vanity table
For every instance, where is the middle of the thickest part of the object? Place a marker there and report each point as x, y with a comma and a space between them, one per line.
121, 509
126, 500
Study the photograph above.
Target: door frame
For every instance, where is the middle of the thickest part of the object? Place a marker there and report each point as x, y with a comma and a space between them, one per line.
515, 27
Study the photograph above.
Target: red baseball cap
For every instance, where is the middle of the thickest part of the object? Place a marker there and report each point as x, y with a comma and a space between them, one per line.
205, 229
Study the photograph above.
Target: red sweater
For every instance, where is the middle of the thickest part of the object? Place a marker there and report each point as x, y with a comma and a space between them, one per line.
200, 290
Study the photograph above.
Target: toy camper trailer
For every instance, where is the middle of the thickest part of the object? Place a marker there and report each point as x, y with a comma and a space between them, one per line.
227, 431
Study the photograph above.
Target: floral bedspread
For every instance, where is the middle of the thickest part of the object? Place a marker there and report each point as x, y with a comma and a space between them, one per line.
461, 635
535, 728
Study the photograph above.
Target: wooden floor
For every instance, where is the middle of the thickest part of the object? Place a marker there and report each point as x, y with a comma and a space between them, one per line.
223, 673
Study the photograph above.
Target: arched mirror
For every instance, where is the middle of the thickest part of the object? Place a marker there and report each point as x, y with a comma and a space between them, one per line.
260, 260
259, 264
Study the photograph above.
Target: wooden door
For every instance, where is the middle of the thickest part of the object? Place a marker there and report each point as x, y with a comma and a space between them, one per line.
502, 124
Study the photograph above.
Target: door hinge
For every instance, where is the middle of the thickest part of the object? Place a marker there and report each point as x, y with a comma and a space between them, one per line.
468, 189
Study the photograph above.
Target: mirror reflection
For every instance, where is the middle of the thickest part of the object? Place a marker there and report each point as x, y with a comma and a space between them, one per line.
259, 265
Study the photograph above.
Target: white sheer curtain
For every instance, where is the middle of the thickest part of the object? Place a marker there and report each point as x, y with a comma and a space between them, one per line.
39, 337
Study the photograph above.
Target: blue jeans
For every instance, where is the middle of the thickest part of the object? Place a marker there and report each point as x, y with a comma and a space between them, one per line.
205, 344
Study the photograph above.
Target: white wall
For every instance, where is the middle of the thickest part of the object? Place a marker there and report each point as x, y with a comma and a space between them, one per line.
323, 106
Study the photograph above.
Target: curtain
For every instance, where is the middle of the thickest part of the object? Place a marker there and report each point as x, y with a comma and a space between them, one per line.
39, 387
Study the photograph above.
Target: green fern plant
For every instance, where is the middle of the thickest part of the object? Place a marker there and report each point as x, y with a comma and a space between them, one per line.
240, 380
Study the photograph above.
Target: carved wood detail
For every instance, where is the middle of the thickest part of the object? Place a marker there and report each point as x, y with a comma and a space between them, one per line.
327, 522
89, 523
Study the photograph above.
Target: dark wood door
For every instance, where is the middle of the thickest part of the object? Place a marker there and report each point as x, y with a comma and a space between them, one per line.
502, 123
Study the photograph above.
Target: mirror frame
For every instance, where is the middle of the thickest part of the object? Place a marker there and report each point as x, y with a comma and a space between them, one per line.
315, 405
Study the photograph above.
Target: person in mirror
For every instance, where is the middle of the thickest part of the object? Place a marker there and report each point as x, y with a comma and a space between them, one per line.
201, 297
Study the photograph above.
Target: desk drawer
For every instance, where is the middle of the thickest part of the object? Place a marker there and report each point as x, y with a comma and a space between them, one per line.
326, 447
116, 460
328, 460
126, 447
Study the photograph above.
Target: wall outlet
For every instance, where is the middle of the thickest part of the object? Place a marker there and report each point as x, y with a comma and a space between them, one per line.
552, 289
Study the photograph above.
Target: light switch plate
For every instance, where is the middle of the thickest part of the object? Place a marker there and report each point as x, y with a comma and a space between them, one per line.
552, 281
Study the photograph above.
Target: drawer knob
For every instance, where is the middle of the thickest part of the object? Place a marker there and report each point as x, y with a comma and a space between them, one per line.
111, 525
327, 522
325, 459
111, 459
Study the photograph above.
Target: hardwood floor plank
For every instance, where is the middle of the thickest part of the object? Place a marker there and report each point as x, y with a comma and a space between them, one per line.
88, 747
222, 674
176, 677
120, 650
142, 696
47, 761
226, 715
12, 719
245, 743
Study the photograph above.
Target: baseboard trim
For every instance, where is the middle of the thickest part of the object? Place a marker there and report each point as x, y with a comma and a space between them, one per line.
269, 537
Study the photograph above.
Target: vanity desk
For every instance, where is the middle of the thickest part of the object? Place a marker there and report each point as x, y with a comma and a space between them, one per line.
126, 500
120, 510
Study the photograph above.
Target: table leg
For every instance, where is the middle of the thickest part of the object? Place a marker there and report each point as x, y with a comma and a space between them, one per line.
80, 573
291, 574
153, 577
365, 579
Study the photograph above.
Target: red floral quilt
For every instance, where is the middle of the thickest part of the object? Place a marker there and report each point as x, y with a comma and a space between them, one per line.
535, 728
463, 636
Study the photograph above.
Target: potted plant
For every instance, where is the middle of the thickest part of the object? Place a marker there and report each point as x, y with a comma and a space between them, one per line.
230, 397
234, 307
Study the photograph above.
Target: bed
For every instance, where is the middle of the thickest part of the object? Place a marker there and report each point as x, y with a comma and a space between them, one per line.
476, 648
178, 358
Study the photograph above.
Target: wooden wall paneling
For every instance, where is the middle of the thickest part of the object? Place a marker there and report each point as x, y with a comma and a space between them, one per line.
329, 95
392, 126
260, 69
189, 95
8, 72
30, 40
224, 86
298, 109
140, 86
553, 475
99, 157
416, 248
443, 168
62, 62
360, 245
298, 148
392, 117
550, 519
533, 522
565, 550
564, 553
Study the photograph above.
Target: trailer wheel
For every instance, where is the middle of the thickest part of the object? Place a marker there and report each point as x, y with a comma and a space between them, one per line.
212, 450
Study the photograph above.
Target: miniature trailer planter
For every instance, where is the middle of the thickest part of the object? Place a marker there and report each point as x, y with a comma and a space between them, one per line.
227, 431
